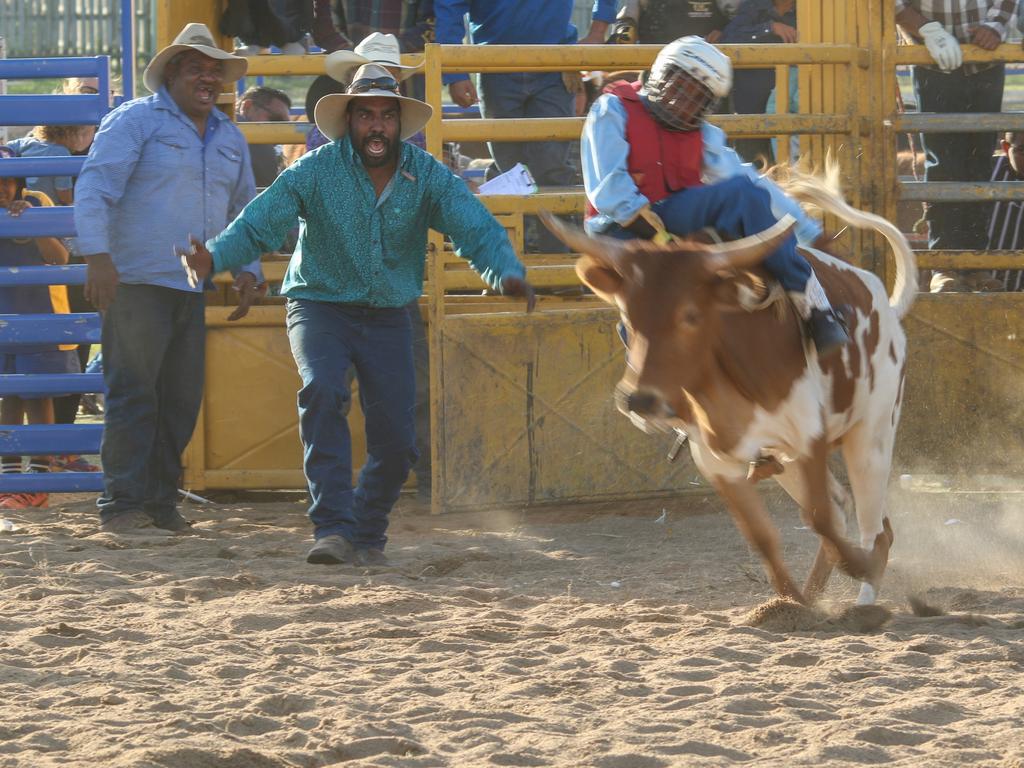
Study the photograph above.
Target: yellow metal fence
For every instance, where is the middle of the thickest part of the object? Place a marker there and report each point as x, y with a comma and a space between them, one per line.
521, 406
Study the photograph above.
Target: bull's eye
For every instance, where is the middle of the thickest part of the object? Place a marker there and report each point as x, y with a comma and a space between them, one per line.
689, 316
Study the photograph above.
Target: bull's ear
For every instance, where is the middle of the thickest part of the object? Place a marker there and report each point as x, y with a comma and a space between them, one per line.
600, 276
739, 291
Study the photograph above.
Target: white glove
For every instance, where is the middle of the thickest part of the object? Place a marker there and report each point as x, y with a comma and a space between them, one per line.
942, 46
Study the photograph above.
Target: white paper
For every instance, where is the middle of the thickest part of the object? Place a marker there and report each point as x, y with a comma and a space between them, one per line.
516, 181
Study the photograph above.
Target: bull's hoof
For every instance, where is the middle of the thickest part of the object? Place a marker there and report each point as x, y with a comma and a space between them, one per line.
887, 530
783, 615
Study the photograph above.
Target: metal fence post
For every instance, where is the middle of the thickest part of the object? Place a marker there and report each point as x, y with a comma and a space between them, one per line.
3, 89
128, 58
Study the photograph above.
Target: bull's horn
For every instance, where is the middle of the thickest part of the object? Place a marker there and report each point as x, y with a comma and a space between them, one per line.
606, 250
749, 251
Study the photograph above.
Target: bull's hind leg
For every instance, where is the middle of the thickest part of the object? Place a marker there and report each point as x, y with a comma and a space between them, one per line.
792, 480
867, 449
852, 560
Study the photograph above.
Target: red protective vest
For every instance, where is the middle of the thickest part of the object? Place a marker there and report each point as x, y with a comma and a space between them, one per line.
660, 161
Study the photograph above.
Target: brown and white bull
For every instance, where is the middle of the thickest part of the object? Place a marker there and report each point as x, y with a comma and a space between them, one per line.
751, 392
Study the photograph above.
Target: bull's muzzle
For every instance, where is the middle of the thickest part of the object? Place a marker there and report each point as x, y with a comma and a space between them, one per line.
643, 402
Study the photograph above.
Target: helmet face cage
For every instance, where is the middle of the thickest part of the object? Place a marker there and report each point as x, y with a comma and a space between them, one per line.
678, 100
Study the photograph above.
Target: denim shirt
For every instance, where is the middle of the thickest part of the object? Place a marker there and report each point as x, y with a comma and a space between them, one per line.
510, 22
753, 23
150, 181
29, 146
356, 248
612, 191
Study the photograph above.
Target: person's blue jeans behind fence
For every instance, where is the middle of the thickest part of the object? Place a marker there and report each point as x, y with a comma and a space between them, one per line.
959, 156
154, 352
326, 339
736, 207
531, 94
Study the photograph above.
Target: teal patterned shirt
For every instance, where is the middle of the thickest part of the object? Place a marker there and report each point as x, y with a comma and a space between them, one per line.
357, 249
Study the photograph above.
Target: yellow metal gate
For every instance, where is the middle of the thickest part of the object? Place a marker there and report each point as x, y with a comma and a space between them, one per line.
521, 406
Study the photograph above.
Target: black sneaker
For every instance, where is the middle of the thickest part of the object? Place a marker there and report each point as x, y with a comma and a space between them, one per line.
173, 522
827, 331
330, 550
128, 522
372, 558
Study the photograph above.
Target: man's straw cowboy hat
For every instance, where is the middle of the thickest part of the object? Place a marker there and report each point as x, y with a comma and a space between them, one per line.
194, 37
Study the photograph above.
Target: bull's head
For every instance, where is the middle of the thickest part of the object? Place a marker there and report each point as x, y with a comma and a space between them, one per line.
671, 298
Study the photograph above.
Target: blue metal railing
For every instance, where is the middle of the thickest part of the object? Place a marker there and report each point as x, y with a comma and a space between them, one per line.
23, 167
56, 109
127, 48
57, 221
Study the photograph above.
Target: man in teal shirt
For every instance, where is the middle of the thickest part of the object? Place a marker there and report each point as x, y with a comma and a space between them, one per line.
364, 202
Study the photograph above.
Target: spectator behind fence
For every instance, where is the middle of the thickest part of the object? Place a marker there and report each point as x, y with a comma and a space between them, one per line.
29, 300
650, 22
65, 407
54, 141
162, 168
259, 24
652, 164
1006, 226
951, 86
521, 94
263, 104
411, 21
375, 48
359, 263
758, 21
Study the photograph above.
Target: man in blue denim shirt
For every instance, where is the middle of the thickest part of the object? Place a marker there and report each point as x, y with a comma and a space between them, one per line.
162, 168
365, 202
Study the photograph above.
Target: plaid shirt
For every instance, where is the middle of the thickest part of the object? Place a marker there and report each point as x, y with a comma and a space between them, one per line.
411, 21
960, 17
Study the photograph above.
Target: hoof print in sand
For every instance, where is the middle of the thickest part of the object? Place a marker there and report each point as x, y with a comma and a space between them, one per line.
781, 615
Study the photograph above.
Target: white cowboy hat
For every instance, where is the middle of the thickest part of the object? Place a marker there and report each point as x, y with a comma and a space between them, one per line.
370, 81
194, 37
375, 48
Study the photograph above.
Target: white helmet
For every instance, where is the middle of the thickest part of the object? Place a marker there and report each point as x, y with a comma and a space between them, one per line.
688, 77
698, 58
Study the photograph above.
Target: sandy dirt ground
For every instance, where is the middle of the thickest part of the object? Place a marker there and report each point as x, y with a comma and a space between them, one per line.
615, 636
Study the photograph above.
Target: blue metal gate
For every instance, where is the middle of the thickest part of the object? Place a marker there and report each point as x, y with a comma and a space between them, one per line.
57, 221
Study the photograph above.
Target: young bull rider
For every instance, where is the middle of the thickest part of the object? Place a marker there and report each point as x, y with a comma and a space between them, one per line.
652, 164
364, 202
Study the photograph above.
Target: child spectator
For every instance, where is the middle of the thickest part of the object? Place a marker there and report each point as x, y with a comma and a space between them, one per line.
54, 141
23, 359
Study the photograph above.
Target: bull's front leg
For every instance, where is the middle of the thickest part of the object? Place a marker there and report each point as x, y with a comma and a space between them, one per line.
756, 526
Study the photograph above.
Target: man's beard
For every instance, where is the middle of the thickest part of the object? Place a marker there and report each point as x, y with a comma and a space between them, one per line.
378, 161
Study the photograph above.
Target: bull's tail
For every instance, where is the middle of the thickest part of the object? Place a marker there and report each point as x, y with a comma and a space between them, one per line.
824, 193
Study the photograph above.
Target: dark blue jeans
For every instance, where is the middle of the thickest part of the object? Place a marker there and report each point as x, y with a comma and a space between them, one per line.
153, 352
526, 94
959, 156
736, 207
327, 339
531, 94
